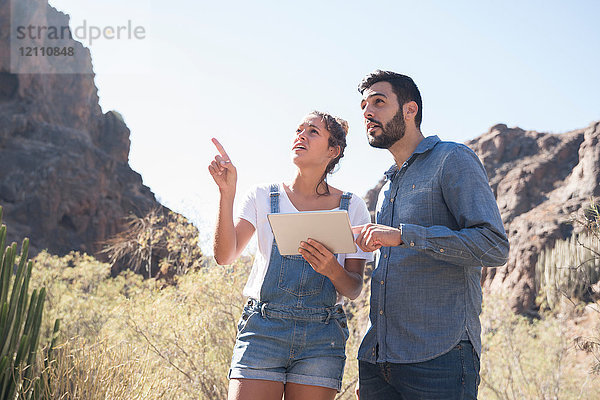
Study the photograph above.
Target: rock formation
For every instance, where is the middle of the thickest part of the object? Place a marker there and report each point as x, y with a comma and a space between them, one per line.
65, 181
540, 180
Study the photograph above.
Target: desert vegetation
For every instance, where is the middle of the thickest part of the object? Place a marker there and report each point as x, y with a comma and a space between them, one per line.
20, 323
124, 336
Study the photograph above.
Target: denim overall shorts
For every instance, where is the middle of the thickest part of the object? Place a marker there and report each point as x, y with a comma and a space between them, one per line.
295, 332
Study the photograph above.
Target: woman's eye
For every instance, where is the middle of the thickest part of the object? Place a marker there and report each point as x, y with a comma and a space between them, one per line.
377, 101
314, 131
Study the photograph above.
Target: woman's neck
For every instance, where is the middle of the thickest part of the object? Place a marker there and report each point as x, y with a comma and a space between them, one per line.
302, 193
305, 183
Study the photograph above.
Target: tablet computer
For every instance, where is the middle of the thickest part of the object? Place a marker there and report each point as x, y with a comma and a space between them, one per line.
330, 228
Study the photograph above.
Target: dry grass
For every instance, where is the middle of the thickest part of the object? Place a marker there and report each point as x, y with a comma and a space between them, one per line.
104, 370
128, 338
128, 334
536, 359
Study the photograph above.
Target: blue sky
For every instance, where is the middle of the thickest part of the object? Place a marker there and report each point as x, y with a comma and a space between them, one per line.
247, 72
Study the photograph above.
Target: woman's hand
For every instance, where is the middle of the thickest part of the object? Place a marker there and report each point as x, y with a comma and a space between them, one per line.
222, 170
322, 260
347, 279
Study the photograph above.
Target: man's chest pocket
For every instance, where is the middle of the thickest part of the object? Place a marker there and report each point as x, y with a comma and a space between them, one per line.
414, 203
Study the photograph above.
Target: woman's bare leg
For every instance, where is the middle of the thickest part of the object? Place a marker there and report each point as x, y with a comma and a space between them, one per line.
296, 391
254, 389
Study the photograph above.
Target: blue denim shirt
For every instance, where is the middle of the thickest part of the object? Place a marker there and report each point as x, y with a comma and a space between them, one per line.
426, 292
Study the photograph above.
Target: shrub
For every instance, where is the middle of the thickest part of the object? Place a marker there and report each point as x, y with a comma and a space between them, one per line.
177, 338
528, 359
571, 272
159, 242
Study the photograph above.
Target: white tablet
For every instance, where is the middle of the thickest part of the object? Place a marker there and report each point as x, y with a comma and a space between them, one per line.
330, 228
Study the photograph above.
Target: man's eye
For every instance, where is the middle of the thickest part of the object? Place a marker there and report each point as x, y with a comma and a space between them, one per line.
378, 101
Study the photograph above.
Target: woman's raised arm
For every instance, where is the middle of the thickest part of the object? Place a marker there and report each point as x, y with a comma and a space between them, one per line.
229, 240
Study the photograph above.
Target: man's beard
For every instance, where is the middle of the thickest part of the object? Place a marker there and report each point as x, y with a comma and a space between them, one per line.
390, 133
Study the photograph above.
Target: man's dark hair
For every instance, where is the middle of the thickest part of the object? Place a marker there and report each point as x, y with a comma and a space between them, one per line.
403, 86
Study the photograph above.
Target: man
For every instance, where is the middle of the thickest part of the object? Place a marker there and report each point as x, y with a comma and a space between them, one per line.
437, 225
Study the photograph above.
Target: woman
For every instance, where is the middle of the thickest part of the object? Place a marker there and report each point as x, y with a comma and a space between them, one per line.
292, 333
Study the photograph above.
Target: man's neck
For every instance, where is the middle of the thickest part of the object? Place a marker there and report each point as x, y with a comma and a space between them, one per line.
403, 148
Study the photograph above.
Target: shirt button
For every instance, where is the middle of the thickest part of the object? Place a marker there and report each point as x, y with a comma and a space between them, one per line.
385, 256
412, 243
441, 250
413, 186
392, 200
381, 282
380, 312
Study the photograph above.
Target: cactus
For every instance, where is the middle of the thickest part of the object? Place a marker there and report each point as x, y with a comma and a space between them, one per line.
570, 269
20, 320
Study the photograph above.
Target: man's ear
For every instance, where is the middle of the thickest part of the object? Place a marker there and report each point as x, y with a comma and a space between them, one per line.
410, 110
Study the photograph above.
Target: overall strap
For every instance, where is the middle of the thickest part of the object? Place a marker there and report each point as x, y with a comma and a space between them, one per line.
274, 198
345, 201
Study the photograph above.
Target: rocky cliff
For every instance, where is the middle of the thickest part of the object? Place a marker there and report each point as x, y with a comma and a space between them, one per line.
540, 180
65, 181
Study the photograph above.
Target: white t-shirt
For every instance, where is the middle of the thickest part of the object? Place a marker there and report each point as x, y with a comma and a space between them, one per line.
254, 209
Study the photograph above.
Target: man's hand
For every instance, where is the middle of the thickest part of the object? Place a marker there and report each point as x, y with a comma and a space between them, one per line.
373, 236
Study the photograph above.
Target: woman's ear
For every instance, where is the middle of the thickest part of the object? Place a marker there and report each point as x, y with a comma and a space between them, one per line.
335, 150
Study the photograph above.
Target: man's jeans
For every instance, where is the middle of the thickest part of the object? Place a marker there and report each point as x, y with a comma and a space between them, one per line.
452, 376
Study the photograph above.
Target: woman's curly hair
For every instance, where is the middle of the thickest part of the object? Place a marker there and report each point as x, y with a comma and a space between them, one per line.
338, 130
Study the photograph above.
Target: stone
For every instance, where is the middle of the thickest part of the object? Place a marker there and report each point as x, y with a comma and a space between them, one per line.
540, 181
65, 181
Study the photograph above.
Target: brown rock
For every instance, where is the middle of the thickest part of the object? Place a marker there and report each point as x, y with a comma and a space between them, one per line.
65, 181
540, 180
